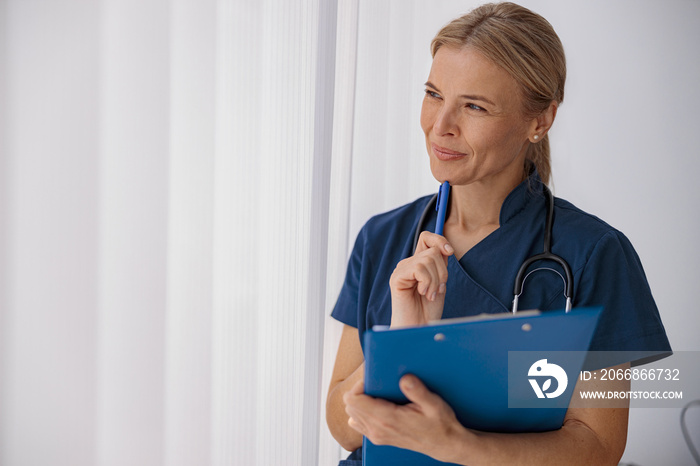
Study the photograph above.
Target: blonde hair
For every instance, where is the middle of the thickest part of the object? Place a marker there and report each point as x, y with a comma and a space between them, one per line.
527, 47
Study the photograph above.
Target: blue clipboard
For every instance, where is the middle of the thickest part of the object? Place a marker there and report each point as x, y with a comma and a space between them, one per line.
466, 362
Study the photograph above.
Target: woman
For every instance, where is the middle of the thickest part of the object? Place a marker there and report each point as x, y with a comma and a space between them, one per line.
495, 85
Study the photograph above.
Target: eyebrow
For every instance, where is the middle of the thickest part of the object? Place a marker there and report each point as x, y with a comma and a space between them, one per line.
464, 96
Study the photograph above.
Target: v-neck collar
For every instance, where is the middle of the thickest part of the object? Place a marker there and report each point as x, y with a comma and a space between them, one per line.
521, 196
515, 203
465, 286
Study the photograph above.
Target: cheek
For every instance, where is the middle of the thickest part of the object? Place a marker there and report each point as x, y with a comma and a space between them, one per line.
427, 116
509, 137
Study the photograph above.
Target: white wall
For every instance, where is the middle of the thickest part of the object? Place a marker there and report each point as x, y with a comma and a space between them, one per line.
624, 144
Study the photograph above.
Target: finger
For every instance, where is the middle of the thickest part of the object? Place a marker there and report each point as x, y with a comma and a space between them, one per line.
425, 273
356, 419
357, 425
436, 266
440, 264
364, 411
416, 392
352, 397
356, 390
428, 240
353, 402
409, 274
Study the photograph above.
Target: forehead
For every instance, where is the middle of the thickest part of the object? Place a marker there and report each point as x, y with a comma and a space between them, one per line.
465, 71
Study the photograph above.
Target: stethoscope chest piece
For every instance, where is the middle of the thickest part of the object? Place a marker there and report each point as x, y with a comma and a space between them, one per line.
545, 255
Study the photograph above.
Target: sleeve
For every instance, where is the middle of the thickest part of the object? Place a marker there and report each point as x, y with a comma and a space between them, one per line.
347, 307
613, 278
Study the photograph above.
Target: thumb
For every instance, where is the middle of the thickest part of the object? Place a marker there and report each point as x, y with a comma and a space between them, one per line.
418, 393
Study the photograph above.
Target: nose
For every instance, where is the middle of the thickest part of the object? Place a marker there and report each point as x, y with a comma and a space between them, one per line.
446, 122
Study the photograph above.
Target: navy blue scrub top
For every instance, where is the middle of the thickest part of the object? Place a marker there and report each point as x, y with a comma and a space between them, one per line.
607, 271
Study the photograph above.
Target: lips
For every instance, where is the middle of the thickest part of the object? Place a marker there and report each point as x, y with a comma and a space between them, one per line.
446, 155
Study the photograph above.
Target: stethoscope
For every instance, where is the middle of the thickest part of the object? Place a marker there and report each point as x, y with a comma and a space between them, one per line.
523, 274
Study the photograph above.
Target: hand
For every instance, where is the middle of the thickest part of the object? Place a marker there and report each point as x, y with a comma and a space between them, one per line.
418, 284
426, 424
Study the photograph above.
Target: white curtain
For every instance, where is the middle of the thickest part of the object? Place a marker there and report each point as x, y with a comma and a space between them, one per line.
168, 257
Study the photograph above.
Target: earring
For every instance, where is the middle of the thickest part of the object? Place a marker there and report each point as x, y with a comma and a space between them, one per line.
536, 137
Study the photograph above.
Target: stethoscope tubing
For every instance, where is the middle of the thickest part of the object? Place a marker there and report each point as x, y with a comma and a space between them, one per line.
545, 255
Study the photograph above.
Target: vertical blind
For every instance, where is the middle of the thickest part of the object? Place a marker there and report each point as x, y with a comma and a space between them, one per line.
274, 79
166, 229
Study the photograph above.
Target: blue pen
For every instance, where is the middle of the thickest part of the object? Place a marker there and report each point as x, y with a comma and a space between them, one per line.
441, 206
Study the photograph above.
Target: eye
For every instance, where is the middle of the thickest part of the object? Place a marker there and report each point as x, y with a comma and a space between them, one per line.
432, 94
475, 107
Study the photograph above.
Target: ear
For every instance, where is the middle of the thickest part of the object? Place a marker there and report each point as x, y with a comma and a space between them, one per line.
542, 123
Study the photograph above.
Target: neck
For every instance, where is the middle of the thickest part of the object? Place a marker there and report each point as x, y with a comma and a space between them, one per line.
474, 213
478, 205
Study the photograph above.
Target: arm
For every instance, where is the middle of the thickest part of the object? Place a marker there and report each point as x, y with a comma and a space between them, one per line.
589, 435
420, 286
349, 370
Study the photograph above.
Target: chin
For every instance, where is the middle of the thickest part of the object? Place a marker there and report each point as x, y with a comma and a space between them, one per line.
442, 172
439, 173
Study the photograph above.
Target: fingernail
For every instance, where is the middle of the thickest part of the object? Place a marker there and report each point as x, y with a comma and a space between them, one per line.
407, 383
442, 288
433, 296
449, 249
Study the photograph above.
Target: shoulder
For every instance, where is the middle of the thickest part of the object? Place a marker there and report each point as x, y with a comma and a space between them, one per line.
609, 273
572, 217
584, 234
384, 240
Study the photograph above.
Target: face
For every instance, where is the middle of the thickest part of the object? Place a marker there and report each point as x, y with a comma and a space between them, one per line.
475, 131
